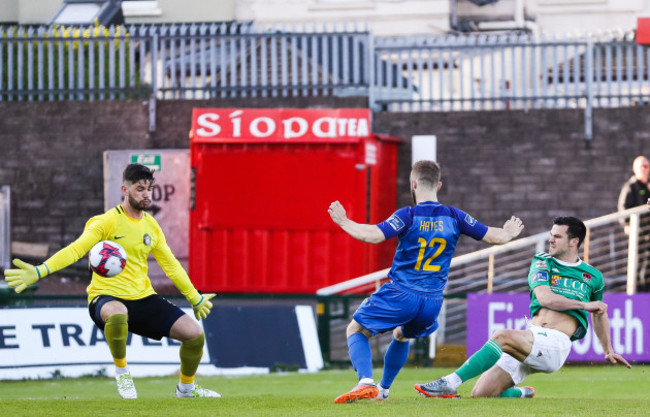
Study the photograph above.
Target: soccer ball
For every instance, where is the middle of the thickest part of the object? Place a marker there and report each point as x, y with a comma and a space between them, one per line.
107, 258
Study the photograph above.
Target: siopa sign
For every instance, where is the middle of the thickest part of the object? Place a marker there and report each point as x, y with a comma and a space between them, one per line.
282, 125
630, 336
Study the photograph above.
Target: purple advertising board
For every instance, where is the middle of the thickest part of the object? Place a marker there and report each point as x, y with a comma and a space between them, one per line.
629, 319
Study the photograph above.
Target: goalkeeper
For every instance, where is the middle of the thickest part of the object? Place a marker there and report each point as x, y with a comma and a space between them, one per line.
128, 302
563, 289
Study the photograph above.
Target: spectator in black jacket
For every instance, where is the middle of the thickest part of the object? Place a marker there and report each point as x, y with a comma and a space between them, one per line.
635, 192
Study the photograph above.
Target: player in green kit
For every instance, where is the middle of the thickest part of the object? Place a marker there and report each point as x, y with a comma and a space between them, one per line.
563, 289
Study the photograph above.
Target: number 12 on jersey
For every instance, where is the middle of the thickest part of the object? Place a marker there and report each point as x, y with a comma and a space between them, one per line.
423, 246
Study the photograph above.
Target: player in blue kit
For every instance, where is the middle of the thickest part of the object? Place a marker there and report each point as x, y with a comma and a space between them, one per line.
409, 305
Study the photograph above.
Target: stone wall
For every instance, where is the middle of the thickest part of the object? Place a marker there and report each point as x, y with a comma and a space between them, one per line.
51, 154
533, 164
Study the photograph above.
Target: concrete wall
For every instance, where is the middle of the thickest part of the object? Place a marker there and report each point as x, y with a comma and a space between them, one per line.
42, 11
172, 11
383, 17
533, 164
9, 11
589, 16
32, 12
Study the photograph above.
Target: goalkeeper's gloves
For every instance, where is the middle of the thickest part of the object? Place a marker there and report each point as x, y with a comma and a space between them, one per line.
26, 275
201, 305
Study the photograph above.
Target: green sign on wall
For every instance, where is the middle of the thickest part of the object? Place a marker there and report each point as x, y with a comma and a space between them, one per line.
150, 160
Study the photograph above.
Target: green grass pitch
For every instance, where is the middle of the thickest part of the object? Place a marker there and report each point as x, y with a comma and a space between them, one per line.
573, 391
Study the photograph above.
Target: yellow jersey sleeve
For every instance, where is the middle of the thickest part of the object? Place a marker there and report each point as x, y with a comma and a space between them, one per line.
173, 268
93, 232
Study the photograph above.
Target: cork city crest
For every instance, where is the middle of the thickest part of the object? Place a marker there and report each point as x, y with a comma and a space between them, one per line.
555, 279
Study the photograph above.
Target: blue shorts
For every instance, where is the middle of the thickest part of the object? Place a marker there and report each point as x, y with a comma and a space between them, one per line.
392, 306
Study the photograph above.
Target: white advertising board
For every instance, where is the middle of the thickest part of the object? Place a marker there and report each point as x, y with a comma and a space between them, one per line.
39, 342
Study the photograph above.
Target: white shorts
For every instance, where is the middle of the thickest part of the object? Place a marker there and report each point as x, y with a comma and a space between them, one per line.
550, 350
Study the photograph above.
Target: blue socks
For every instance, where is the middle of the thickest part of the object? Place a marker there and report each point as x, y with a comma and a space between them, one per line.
396, 356
360, 355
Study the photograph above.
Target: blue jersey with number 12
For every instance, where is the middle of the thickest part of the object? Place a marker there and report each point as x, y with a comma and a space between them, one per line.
427, 235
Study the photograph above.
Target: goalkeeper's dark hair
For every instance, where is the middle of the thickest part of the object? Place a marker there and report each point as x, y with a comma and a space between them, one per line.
136, 172
575, 227
427, 174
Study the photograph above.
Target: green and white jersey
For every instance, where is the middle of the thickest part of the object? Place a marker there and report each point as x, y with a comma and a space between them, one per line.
577, 281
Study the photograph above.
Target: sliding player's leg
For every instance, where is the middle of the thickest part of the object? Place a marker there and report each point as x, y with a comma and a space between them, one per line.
516, 342
497, 381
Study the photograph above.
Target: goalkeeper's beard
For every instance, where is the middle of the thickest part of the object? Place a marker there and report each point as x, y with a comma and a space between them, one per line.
138, 205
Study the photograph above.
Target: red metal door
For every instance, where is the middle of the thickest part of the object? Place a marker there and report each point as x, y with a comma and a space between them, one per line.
261, 222
263, 180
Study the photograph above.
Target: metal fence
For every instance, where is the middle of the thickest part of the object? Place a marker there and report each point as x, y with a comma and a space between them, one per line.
73, 64
181, 62
406, 73
513, 71
516, 71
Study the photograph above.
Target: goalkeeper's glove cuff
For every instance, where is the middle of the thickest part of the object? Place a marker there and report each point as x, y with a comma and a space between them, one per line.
202, 306
42, 270
200, 301
196, 299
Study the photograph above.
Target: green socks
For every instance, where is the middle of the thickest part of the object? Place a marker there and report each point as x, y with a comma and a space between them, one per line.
191, 352
116, 331
511, 393
481, 361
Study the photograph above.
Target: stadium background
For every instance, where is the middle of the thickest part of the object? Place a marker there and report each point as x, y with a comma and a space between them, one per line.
535, 164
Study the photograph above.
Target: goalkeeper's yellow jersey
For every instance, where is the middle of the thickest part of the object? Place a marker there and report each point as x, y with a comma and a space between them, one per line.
139, 238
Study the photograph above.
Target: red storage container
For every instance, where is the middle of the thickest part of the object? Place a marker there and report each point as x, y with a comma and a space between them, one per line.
643, 30
262, 182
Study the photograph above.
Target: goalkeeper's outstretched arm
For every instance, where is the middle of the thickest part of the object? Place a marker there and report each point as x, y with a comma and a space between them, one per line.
27, 274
